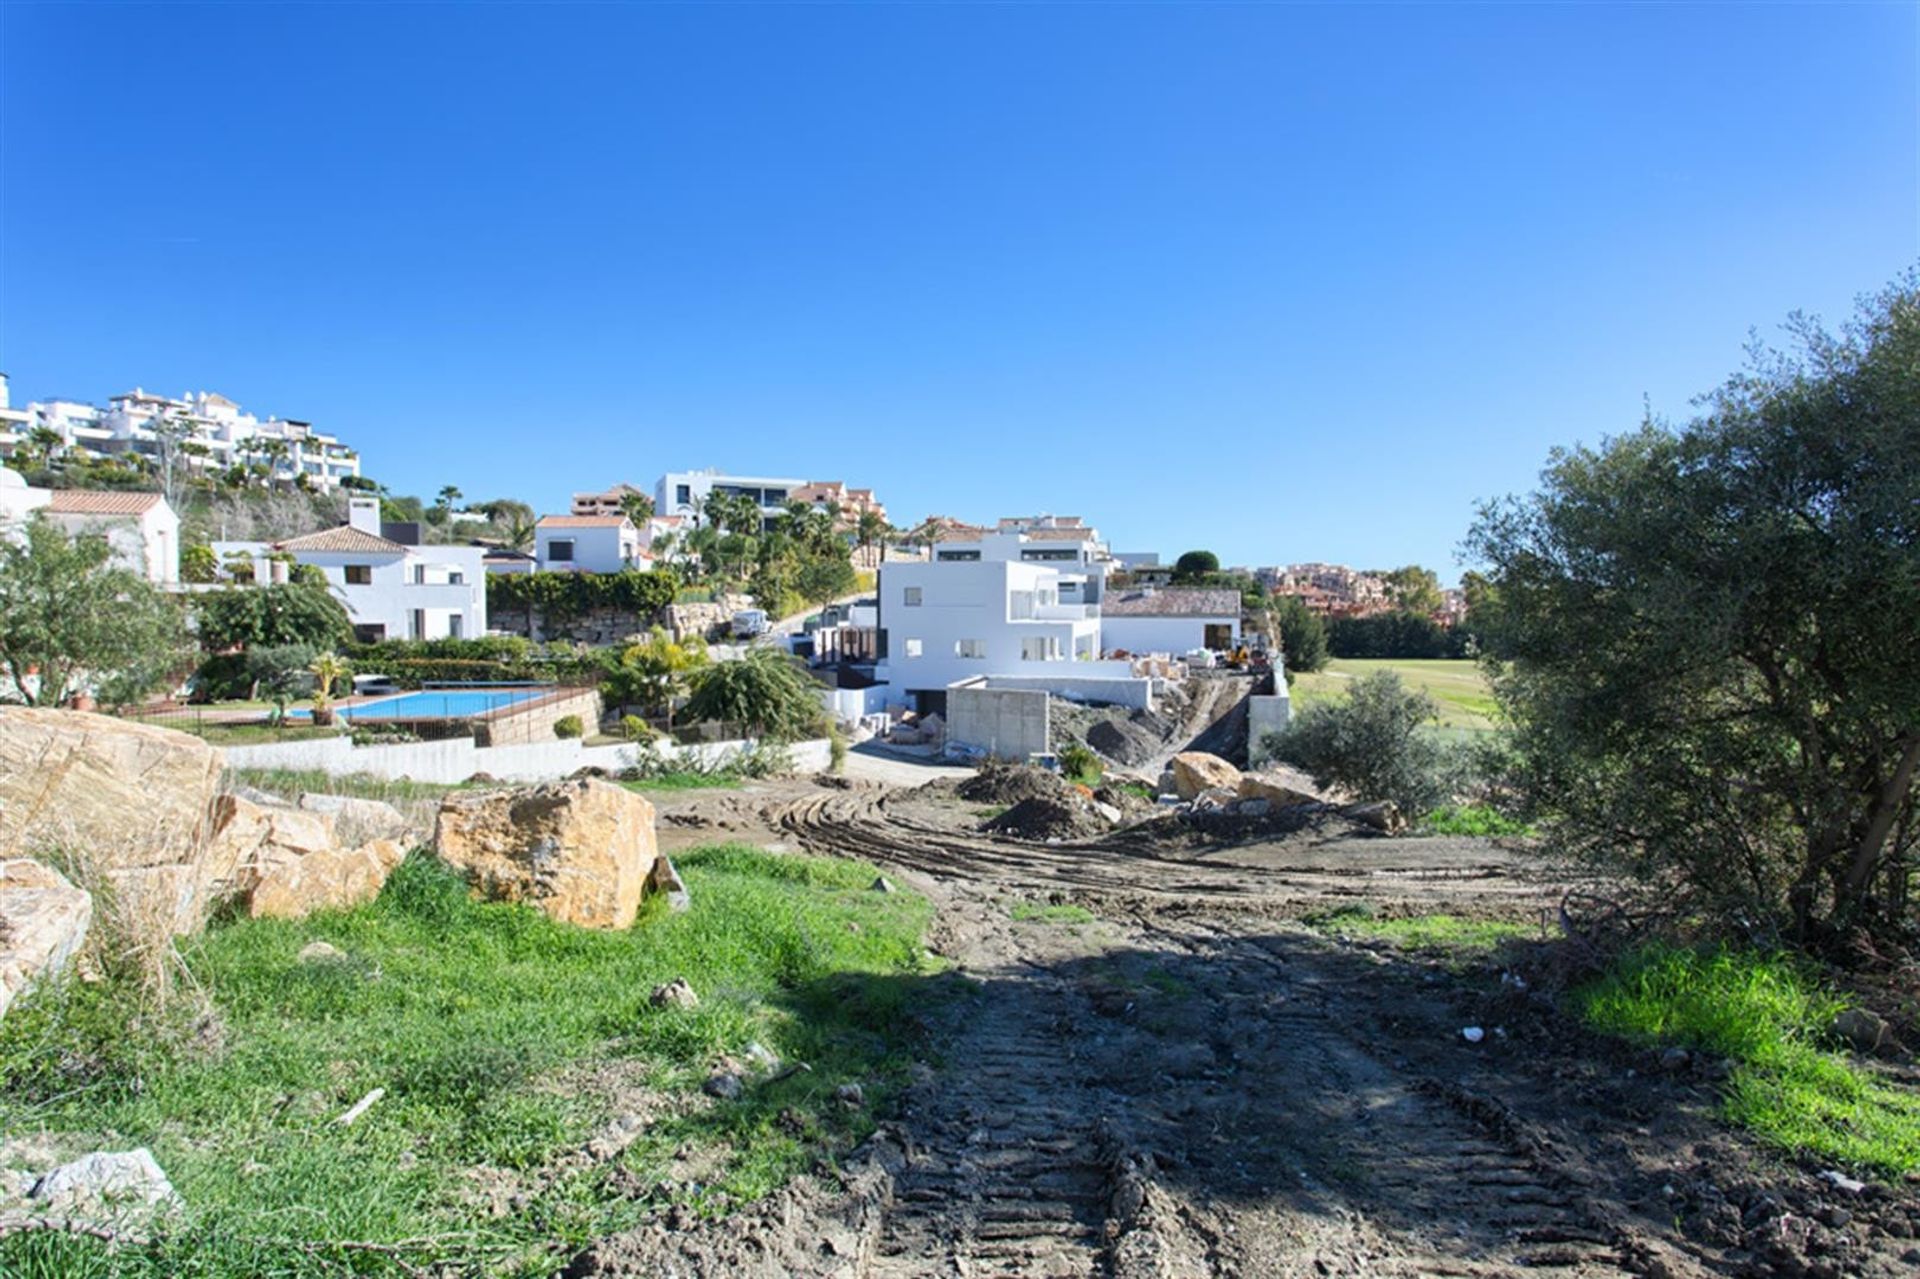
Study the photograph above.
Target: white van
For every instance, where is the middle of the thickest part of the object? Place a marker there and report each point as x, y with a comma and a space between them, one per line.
749, 623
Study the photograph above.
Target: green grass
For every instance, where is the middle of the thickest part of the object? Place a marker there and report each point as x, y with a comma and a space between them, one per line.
245, 734
499, 1035
1457, 685
1767, 1015
1422, 932
661, 783
1472, 819
1051, 913
294, 782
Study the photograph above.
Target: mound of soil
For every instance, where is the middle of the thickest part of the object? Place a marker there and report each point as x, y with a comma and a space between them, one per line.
998, 783
1049, 817
1124, 741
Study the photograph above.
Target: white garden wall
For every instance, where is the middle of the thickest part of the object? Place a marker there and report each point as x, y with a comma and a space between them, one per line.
456, 759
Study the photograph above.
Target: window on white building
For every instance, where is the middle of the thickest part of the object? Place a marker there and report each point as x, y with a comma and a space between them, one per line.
359, 574
970, 648
560, 550
913, 648
910, 597
1040, 648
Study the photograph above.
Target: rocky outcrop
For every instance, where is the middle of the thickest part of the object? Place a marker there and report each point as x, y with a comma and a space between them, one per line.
330, 879
106, 1186
359, 820
43, 921
1280, 787
126, 803
582, 851
1195, 772
286, 863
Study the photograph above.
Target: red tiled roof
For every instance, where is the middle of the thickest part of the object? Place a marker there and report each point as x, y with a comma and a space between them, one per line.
95, 502
344, 538
582, 521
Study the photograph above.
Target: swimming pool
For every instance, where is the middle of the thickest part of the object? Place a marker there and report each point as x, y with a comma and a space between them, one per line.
440, 703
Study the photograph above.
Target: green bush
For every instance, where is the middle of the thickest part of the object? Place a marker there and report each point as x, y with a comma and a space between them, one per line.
1375, 743
1080, 764
569, 726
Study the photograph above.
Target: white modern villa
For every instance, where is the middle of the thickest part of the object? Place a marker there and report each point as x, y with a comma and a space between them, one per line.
142, 530
392, 590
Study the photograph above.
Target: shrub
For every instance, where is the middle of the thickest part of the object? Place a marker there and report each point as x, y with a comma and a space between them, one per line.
1375, 743
766, 692
569, 726
1080, 764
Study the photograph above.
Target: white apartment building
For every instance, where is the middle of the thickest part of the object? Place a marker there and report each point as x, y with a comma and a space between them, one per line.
391, 590
229, 436
685, 492
1010, 606
588, 544
142, 530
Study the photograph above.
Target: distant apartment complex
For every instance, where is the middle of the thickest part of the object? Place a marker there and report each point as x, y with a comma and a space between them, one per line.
219, 434
1330, 589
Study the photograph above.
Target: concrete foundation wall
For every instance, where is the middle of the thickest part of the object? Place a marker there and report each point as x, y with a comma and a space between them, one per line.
1266, 713
1132, 691
1006, 723
457, 759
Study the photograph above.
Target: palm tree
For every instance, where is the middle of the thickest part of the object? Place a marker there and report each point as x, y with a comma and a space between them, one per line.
449, 494
871, 529
517, 531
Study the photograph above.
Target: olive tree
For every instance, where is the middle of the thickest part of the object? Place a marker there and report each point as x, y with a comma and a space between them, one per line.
70, 620
1705, 636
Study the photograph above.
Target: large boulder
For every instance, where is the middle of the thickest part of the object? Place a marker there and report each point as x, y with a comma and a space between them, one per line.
1195, 772
1281, 786
128, 804
582, 851
330, 879
43, 921
107, 1185
357, 820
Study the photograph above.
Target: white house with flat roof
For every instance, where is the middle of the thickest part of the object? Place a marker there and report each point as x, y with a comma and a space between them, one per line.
685, 492
391, 590
142, 530
588, 544
1019, 609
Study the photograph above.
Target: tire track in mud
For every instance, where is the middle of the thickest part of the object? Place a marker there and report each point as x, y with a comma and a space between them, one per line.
1360, 1165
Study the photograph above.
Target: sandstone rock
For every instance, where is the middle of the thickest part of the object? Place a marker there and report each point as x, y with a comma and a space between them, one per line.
1213, 799
1197, 771
1864, 1031
330, 879
247, 837
677, 993
109, 1183
358, 820
582, 851
131, 800
663, 878
1382, 815
725, 1086
43, 921
134, 794
1280, 787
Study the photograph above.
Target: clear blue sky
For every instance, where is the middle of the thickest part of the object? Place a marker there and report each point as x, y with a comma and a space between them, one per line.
1289, 282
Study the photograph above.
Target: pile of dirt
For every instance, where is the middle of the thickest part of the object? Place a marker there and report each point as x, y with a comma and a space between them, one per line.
1128, 737
1064, 816
998, 783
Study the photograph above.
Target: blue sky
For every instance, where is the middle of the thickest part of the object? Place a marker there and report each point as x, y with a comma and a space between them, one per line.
1292, 282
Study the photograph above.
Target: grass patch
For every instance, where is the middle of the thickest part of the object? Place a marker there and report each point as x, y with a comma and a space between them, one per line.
662, 783
1421, 932
257, 733
504, 1041
1051, 912
1767, 1015
1457, 685
295, 782
1472, 819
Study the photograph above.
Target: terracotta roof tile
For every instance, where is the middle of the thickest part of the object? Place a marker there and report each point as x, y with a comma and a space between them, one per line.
344, 538
582, 521
96, 502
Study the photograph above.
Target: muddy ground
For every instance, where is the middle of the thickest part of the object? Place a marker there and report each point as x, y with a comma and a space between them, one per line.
1188, 1080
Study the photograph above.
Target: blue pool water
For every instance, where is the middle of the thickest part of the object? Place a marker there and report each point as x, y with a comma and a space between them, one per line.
440, 703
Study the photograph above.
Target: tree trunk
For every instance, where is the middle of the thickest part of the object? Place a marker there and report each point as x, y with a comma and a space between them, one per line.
1886, 808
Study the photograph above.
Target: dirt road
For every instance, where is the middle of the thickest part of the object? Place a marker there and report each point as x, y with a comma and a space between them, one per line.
1157, 1069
